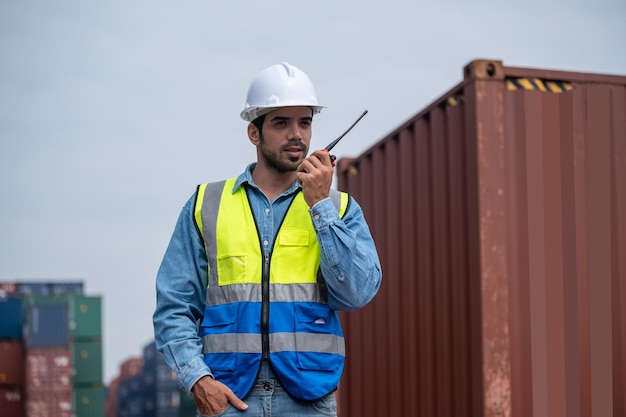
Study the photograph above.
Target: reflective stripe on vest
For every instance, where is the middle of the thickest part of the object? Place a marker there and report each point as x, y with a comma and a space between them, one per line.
306, 345
251, 343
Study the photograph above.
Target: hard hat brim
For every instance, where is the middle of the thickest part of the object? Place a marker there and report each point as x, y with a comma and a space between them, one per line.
253, 113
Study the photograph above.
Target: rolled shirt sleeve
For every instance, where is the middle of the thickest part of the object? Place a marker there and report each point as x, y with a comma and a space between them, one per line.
180, 288
349, 259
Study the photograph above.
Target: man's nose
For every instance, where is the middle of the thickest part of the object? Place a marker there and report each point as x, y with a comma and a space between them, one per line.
295, 133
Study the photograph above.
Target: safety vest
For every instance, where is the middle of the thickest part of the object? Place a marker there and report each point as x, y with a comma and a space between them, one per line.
272, 306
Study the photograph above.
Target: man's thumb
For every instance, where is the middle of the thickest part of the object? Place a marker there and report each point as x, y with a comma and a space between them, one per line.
237, 402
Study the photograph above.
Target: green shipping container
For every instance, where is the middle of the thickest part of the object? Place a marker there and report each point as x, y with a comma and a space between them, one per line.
33, 300
86, 363
85, 317
88, 402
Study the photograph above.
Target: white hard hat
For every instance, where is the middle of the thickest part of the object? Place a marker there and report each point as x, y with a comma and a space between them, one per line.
280, 85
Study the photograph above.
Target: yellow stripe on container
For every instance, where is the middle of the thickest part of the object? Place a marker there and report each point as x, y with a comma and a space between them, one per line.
514, 84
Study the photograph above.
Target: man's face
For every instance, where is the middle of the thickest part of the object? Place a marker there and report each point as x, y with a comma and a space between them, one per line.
285, 137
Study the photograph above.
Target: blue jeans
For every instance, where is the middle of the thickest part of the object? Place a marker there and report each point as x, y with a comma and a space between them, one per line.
269, 399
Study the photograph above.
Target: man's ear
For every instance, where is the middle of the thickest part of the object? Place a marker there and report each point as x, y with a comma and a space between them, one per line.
253, 134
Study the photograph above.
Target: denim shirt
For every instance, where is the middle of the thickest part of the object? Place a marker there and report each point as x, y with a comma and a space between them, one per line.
348, 261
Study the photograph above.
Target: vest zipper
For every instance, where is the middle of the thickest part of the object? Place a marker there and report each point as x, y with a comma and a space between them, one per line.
265, 287
265, 307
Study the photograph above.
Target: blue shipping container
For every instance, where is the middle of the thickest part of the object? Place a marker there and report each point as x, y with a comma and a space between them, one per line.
130, 398
33, 288
47, 325
11, 322
150, 352
161, 393
164, 402
155, 368
49, 288
66, 288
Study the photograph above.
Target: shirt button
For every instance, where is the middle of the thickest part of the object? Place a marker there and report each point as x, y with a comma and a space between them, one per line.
265, 242
267, 211
316, 217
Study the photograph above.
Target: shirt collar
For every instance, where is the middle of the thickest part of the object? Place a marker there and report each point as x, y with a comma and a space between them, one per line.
246, 177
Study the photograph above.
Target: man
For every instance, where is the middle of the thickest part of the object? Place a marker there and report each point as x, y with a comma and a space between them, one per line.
258, 266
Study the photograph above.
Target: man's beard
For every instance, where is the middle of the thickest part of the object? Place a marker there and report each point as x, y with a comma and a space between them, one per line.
273, 158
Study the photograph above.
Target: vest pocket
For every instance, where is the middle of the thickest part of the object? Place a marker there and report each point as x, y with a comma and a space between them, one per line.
220, 362
317, 343
232, 269
294, 237
314, 318
219, 336
296, 258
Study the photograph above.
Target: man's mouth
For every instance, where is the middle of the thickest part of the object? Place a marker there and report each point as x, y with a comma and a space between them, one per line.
294, 151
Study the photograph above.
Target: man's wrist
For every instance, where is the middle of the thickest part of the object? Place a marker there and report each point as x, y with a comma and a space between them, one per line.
195, 370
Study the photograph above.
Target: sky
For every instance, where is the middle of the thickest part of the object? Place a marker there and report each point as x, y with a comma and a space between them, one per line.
112, 112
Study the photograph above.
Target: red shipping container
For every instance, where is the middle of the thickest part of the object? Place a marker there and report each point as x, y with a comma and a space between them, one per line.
111, 402
130, 368
8, 289
48, 369
11, 362
49, 404
499, 213
11, 402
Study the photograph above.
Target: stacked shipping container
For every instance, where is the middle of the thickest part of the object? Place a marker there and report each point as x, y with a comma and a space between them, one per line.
161, 392
131, 397
11, 352
150, 390
86, 349
129, 368
500, 215
61, 340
